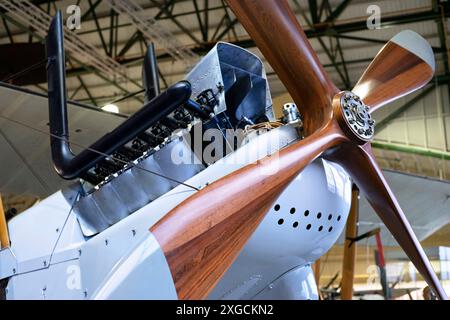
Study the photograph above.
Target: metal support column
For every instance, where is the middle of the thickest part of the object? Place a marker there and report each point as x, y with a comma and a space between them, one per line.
4, 236
351, 231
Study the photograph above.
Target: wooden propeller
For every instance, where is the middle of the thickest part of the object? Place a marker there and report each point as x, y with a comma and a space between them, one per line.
403, 65
203, 235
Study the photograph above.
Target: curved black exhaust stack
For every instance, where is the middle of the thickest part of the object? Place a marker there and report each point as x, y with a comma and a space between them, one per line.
65, 162
150, 77
150, 81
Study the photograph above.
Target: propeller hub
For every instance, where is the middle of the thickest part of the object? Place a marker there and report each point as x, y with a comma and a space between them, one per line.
356, 117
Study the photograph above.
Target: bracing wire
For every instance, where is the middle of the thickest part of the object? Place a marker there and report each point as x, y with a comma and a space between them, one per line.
63, 226
26, 70
42, 62
127, 96
98, 152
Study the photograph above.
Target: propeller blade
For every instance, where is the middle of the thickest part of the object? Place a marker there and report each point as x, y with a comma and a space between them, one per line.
405, 64
277, 33
360, 163
203, 235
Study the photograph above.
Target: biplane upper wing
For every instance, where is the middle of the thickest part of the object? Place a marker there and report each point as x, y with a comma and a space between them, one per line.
24, 139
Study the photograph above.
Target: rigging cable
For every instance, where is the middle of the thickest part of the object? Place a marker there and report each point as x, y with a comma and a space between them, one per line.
100, 153
129, 95
43, 62
26, 70
75, 199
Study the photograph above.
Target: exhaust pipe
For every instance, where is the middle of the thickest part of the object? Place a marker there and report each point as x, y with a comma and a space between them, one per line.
150, 77
68, 165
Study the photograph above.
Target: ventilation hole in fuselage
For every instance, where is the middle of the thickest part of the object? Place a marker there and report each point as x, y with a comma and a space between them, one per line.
320, 228
280, 222
277, 207
330, 229
292, 211
308, 227
306, 213
319, 215
330, 216
295, 224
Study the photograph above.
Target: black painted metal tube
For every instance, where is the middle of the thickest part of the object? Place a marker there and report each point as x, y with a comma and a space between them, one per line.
197, 109
150, 77
65, 162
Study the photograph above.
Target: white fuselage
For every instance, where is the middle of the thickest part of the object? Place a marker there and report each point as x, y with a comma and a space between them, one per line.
50, 258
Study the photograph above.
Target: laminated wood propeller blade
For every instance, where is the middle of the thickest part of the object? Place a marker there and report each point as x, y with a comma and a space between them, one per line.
405, 64
203, 235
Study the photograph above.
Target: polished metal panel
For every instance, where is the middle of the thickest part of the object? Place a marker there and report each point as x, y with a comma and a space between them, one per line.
110, 204
138, 185
152, 184
130, 193
177, 160
90, 216
224, 66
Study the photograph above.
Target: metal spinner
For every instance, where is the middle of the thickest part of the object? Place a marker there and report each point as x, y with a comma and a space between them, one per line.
357, 116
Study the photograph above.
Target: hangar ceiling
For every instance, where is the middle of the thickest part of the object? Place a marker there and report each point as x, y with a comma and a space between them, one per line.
337, 30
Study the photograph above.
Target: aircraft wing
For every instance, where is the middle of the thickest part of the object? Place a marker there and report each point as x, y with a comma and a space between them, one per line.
425, 202
25, 143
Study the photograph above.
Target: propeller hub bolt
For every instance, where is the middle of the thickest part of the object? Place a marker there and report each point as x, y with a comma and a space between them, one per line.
357, 116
